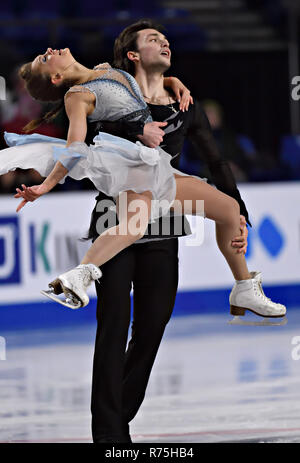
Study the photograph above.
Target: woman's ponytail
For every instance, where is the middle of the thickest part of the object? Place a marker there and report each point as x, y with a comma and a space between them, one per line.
45, 118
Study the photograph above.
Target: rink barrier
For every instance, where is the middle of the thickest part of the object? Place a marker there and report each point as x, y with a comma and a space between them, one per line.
39, 315
43, 242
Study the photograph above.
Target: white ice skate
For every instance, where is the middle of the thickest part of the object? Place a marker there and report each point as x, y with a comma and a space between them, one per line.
73, 285
249, 295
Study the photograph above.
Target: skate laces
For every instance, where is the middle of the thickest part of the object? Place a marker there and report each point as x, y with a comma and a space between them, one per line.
95, 272
261, 291
85, 274
89, 273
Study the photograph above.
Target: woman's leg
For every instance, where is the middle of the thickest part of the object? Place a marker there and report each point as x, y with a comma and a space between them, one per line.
132, 226
219, 207
134, 211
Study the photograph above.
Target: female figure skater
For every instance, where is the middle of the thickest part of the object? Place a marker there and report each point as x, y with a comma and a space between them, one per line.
126, 171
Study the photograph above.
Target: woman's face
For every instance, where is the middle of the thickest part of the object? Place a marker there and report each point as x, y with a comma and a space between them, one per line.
53, 62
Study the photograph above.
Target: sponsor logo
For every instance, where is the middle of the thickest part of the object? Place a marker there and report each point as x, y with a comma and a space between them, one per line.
37, 244
9, 250
270, 236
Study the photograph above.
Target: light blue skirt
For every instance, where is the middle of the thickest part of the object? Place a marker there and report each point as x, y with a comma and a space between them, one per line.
112, 163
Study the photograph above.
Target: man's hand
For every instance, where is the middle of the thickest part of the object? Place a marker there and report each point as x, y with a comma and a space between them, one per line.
153, 134
30, 194
240, 242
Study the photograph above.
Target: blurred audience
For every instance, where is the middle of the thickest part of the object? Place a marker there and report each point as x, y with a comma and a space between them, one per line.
247, 164
228, 142
239, 151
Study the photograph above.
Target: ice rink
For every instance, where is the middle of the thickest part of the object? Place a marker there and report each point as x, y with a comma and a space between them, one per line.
212, 382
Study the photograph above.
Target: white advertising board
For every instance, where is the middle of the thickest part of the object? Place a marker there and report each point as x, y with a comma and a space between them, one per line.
43, 240
274, 241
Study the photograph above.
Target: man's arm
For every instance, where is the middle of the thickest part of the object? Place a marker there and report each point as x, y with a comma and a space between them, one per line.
200, 133
150, 134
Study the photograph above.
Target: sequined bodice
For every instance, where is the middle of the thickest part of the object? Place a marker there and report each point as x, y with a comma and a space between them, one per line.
117, 94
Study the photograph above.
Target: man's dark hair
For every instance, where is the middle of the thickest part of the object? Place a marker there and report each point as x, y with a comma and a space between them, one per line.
127, 41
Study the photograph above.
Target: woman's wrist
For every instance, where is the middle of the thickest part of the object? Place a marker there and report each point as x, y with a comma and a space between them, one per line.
47, 185
167, 81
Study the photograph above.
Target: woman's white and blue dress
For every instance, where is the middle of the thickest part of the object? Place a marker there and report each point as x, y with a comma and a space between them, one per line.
113, 164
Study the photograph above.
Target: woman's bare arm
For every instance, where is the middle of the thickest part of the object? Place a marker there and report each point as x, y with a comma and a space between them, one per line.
77, 108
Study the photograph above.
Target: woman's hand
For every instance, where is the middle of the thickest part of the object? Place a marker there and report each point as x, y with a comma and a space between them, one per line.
182, 93
240, 242
30, 194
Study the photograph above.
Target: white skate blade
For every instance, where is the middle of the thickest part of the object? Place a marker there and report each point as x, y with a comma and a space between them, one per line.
264, 322
70, 300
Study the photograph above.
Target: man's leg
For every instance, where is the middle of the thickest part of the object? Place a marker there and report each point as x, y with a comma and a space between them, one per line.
155, 287
113, 316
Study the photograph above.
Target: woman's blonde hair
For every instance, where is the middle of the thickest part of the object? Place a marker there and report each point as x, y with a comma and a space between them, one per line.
41, 88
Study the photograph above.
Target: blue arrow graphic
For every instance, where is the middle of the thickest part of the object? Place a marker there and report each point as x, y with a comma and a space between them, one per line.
270, 235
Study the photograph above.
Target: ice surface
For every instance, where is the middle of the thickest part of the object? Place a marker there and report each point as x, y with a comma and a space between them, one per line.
212, 382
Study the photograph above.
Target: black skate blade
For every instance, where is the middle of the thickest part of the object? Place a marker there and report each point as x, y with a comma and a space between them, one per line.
264, 322
69, 301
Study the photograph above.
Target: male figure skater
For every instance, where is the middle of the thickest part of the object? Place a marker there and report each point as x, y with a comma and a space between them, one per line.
150, 266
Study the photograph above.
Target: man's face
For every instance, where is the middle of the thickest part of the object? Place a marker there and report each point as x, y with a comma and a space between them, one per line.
153, 50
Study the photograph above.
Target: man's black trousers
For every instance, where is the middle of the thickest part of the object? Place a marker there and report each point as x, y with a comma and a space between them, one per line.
120, 376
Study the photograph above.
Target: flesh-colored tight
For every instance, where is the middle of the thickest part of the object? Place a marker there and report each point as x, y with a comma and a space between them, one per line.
221, 208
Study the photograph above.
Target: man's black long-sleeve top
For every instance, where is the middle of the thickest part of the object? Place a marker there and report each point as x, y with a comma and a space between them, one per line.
192, 124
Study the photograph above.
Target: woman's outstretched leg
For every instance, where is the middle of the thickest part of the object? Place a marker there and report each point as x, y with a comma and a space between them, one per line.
134, 211
247, 293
